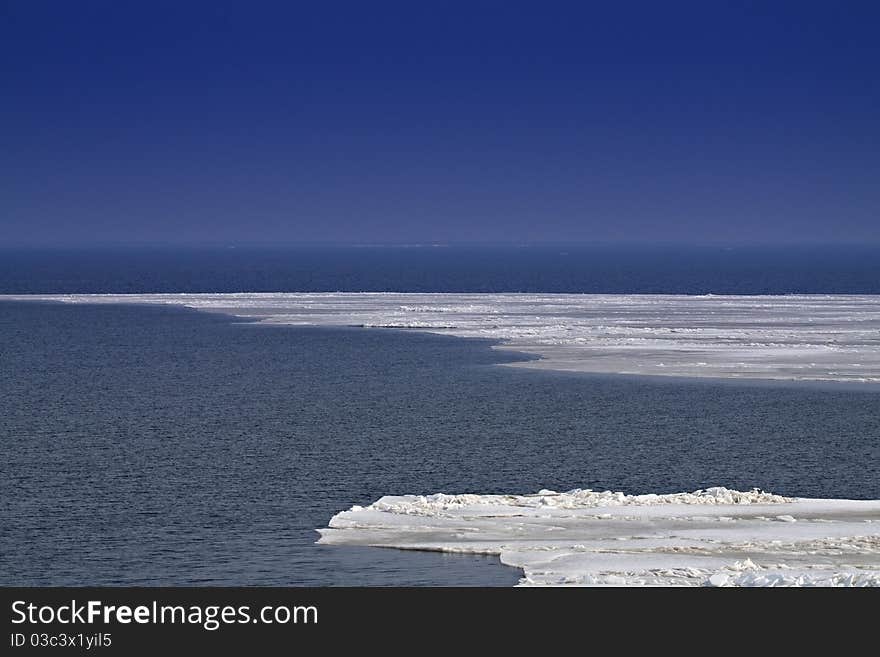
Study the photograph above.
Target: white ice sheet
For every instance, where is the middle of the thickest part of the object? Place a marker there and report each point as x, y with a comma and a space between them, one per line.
805, 338
715, 537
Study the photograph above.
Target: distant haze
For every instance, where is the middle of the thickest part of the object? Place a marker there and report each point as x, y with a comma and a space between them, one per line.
219, 122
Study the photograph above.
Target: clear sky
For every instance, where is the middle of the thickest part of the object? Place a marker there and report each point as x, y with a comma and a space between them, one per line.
439, 121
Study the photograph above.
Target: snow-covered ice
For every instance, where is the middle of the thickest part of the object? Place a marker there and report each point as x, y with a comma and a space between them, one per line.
797, 337
713, 537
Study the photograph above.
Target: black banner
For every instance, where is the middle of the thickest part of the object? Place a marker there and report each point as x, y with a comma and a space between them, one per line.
129, 620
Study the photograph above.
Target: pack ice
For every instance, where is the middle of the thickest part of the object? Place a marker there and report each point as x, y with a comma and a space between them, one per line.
797, 337
713, 537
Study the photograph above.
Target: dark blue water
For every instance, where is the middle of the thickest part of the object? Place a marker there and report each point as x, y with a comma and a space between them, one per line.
160, 446
654, 269
146, 445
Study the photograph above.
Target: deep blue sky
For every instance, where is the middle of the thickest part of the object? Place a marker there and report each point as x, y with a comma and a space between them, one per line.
439, 121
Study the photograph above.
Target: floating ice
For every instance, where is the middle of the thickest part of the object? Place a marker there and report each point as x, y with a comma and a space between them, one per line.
798, 337
712, 537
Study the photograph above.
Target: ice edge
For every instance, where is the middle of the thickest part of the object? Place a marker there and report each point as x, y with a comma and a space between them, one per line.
711, 537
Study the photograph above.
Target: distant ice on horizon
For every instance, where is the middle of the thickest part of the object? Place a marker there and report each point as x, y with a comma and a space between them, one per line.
797, 337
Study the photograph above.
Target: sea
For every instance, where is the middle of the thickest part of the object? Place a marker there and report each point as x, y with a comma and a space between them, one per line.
147, 445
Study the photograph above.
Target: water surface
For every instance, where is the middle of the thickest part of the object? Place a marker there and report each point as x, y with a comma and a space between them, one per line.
148, 445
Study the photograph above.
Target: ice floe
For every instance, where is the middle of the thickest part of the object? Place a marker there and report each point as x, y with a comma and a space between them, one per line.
796, 337
713, 537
